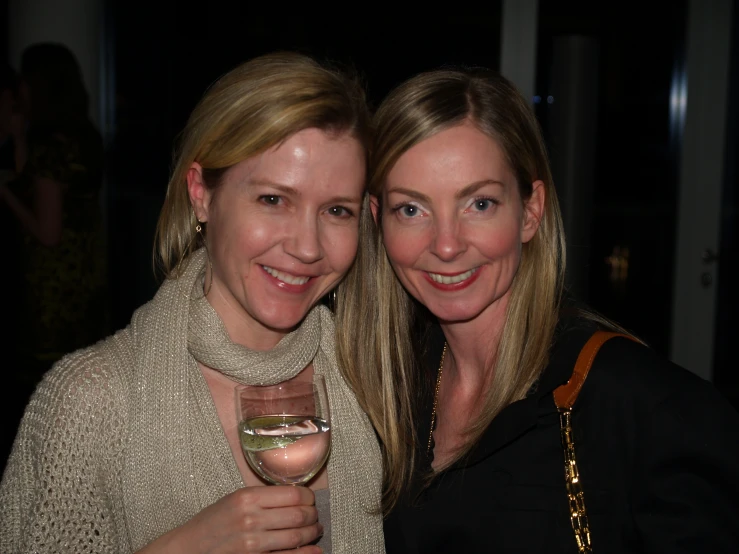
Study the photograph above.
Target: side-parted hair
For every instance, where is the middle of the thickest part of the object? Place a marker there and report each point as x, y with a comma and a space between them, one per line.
378, 321
252, 108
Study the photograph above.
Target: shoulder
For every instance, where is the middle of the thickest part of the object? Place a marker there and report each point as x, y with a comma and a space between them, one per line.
624, 365
630, 385
624, 368
630, 382
86, 385
74, 424
79, 374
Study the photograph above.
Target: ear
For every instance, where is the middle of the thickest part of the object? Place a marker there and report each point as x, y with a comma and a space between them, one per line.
375, 207
533, 211
199, 194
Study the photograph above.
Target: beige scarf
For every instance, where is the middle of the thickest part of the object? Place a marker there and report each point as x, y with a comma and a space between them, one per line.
179, 459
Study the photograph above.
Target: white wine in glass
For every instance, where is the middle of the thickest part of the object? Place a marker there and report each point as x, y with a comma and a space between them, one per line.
285, 429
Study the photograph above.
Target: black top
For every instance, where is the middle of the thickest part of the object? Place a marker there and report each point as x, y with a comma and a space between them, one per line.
657, 448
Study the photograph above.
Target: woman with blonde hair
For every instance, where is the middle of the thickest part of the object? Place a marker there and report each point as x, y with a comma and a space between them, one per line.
475, 369
131, 444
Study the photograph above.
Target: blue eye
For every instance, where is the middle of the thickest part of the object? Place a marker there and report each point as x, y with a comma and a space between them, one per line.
482, 204
407, 210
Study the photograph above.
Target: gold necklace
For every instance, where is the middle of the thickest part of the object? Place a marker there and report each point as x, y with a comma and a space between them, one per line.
436, 399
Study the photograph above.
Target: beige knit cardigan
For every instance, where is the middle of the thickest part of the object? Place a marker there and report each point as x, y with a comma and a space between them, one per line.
76, 476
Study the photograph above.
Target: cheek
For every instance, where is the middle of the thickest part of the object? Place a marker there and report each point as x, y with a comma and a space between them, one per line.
254, 236
501, 239
342, 248
237, 240
402, 245
399, 257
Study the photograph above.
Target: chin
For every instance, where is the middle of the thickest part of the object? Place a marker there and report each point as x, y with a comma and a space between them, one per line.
456, 318
455, 314
284, 319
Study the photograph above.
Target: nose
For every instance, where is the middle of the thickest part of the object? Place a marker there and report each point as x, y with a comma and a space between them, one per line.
304, 242
448, 242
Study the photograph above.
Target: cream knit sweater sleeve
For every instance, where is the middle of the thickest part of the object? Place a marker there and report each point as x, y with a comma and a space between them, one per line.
60, 491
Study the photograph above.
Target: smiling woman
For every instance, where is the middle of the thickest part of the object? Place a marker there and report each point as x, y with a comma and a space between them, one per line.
440, 242
282, 230
261, 220
469, 347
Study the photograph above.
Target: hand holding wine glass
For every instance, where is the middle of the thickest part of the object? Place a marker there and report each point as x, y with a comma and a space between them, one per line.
285, 429
284, 432
251, 520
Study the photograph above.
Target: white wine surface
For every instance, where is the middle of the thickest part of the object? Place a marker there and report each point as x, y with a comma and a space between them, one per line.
285, 449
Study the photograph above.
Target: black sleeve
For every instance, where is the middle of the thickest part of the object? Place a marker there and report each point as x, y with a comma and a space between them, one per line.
686, 486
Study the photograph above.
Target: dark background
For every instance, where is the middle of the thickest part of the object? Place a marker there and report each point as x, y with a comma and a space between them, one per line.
163, 55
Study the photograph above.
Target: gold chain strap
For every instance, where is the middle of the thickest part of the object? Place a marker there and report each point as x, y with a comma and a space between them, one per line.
436, 399
575, 495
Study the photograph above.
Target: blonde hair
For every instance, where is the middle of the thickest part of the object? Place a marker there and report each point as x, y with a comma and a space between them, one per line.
379, 323
253, 107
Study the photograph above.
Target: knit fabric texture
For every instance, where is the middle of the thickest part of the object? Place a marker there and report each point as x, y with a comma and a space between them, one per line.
121, 442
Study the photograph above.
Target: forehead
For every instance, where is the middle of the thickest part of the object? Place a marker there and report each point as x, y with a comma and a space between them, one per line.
308, 156
312, 143
458, 156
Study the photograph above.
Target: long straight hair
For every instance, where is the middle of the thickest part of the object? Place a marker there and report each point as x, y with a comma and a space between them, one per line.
379, 345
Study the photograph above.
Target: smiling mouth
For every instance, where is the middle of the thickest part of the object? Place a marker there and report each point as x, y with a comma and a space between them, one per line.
452, 279
286, 277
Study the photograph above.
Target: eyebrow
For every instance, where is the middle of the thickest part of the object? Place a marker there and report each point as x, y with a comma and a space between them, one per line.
346, 200
282, 188
295, 192
466, 191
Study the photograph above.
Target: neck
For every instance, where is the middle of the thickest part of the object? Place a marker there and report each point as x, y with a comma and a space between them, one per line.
241, 328
472, 347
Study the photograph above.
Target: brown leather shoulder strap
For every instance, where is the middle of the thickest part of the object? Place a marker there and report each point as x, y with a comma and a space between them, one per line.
565, 395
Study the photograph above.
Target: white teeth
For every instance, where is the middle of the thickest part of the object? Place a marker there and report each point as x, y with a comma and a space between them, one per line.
286, 277
451, 279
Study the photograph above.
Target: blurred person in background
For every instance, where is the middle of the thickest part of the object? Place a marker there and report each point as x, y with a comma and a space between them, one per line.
55, 199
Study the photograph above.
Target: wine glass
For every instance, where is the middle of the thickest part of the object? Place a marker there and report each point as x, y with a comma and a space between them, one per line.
285, 429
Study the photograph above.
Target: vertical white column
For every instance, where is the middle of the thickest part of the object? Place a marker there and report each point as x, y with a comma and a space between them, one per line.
75, 23
701, 185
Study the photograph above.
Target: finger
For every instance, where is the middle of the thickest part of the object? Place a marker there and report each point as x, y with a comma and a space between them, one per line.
310, 549
289, 517
277, 496
283, 539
